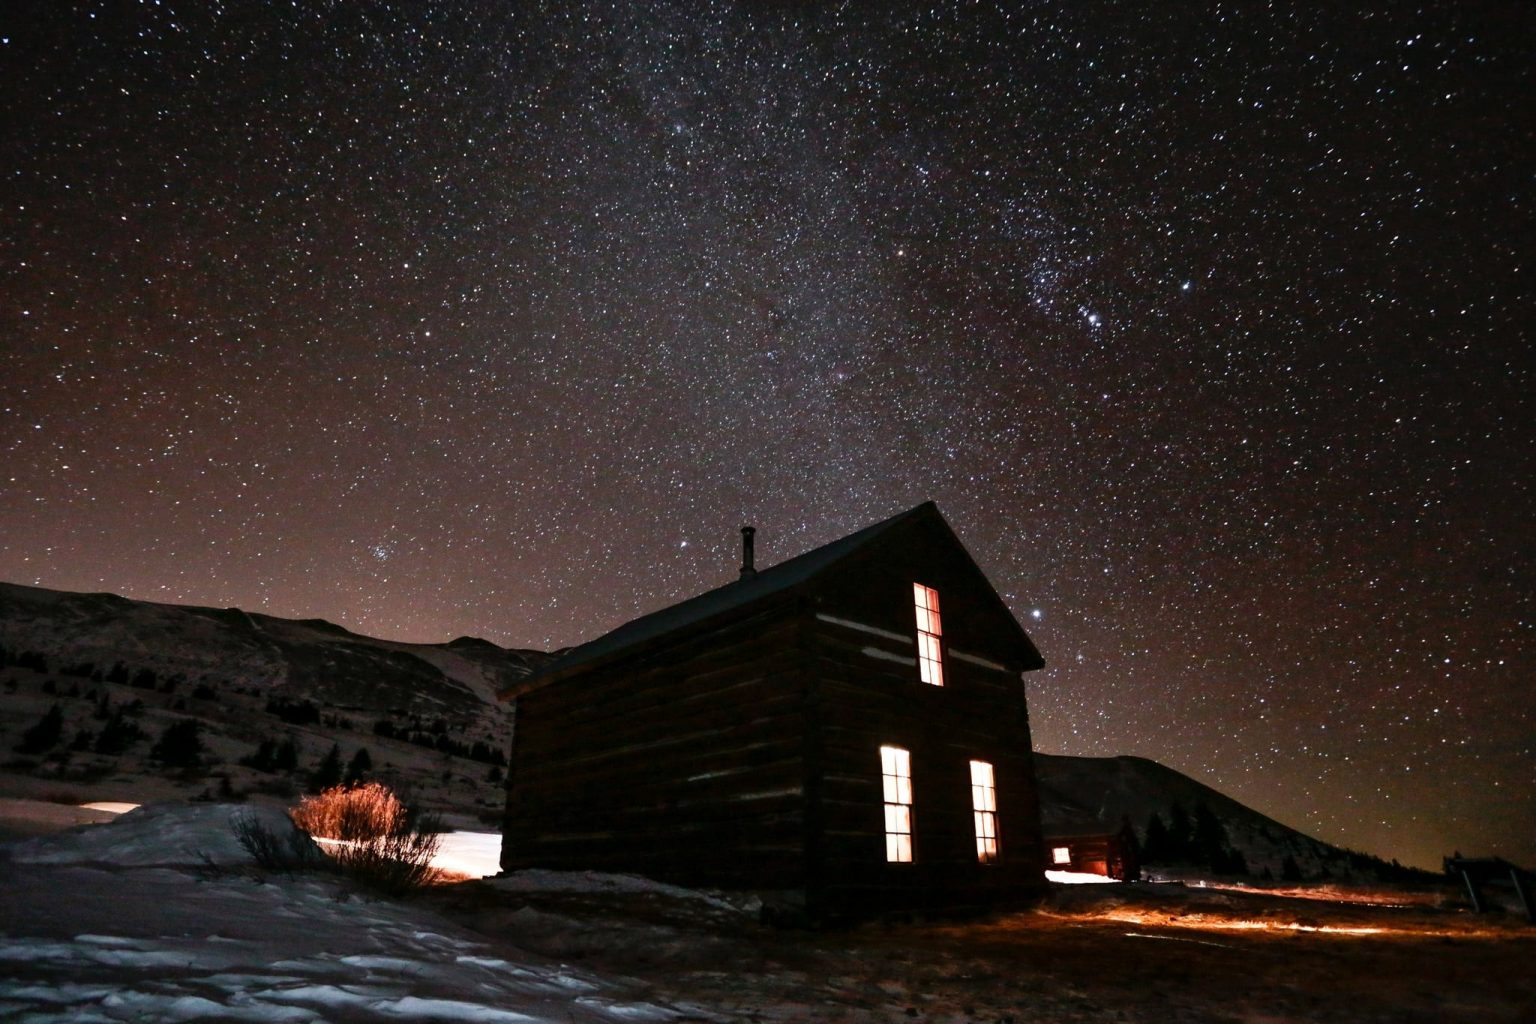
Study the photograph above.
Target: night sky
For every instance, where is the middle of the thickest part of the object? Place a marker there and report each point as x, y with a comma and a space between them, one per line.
1206, 325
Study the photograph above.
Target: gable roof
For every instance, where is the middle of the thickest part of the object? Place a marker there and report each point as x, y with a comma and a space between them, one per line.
767, 584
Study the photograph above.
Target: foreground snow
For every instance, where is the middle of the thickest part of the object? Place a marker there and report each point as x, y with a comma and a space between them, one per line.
159, 916
155, 916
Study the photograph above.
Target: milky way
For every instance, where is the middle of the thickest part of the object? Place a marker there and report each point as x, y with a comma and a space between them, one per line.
1205, 325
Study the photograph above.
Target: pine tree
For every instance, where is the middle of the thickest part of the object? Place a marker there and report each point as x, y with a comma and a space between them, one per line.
1209, 840
328, 772
1290, 871
1179, 830
1155, 848
117, 735
263, 757
45, 734
286, 759
359, 767
180, 746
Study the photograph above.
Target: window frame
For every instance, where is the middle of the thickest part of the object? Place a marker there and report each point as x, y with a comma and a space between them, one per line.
896, 788
930, 642
989, 847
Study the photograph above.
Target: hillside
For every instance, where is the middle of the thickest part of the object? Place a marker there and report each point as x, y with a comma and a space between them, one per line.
425, 713
122, 671
1075, 791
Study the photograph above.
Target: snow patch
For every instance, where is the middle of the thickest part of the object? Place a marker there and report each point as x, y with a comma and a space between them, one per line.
155, 835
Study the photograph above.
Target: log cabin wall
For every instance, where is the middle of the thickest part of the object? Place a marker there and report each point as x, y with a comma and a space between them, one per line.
683, 761
867, 693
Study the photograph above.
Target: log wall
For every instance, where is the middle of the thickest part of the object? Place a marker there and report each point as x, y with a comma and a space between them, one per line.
685, 763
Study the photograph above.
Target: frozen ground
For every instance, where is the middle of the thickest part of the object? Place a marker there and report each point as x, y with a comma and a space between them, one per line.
157, 916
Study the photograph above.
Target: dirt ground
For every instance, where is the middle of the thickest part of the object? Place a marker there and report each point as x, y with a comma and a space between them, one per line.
1142, 953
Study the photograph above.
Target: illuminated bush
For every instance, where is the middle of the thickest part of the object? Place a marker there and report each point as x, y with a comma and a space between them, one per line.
373, 836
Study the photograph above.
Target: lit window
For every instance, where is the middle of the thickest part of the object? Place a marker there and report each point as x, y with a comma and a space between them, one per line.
929, 664
896, 773
1061, 855
984, 806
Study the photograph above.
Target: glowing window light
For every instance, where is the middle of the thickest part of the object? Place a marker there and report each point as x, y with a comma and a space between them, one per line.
984, 808
896, 774
1061, 855
930, 664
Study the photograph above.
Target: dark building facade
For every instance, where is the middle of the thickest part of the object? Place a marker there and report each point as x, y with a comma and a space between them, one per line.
845, 733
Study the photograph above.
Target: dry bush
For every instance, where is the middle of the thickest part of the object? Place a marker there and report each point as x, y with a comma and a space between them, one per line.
378, 839
351, 815
287, 853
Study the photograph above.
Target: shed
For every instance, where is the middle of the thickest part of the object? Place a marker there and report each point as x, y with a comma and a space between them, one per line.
1093, 848
844, 733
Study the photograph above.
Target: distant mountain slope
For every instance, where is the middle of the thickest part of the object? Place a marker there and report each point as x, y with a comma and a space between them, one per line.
275, 704
1075, 791
308, 659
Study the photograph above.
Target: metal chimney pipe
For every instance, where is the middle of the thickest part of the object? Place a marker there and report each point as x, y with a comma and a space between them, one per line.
748, 570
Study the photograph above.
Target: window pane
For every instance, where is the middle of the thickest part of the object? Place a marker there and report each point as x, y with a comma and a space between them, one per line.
984, 806
896, 784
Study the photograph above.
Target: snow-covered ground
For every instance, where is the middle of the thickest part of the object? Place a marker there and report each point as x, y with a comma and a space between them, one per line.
159, 915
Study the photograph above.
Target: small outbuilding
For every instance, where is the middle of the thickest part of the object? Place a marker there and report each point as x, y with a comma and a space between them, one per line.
1093, 848
844, 733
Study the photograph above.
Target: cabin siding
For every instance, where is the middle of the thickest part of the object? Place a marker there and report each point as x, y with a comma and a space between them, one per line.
741, 747
869, 702
685, 763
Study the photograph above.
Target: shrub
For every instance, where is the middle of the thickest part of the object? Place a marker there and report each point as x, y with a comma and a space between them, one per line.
379, 840
285, 853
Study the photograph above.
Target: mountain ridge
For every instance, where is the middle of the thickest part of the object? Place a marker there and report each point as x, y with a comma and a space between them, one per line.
390, 695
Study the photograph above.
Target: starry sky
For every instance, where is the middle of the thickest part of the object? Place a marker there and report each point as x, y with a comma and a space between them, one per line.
1206, 325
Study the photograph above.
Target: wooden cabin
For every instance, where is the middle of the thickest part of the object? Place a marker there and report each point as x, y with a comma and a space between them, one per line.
1092, 848
844, 733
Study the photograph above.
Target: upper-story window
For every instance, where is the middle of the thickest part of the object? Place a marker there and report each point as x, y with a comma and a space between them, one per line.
930, 662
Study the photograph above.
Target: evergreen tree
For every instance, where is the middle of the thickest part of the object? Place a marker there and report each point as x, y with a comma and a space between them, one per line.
286, 759
359, 767
1290, 871
1209, 840
1179, 831
117, 735
180, 746
328, 772
265, 757
45, 734
1155, 848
